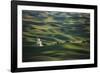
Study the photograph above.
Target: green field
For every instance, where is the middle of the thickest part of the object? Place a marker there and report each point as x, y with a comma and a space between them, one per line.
64, 36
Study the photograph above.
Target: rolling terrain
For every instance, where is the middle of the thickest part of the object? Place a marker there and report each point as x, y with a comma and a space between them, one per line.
64, 35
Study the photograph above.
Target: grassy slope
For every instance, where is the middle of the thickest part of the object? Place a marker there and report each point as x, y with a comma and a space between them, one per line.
56, 38
66, 51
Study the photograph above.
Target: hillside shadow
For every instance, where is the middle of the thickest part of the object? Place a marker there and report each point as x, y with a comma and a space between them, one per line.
54, 53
